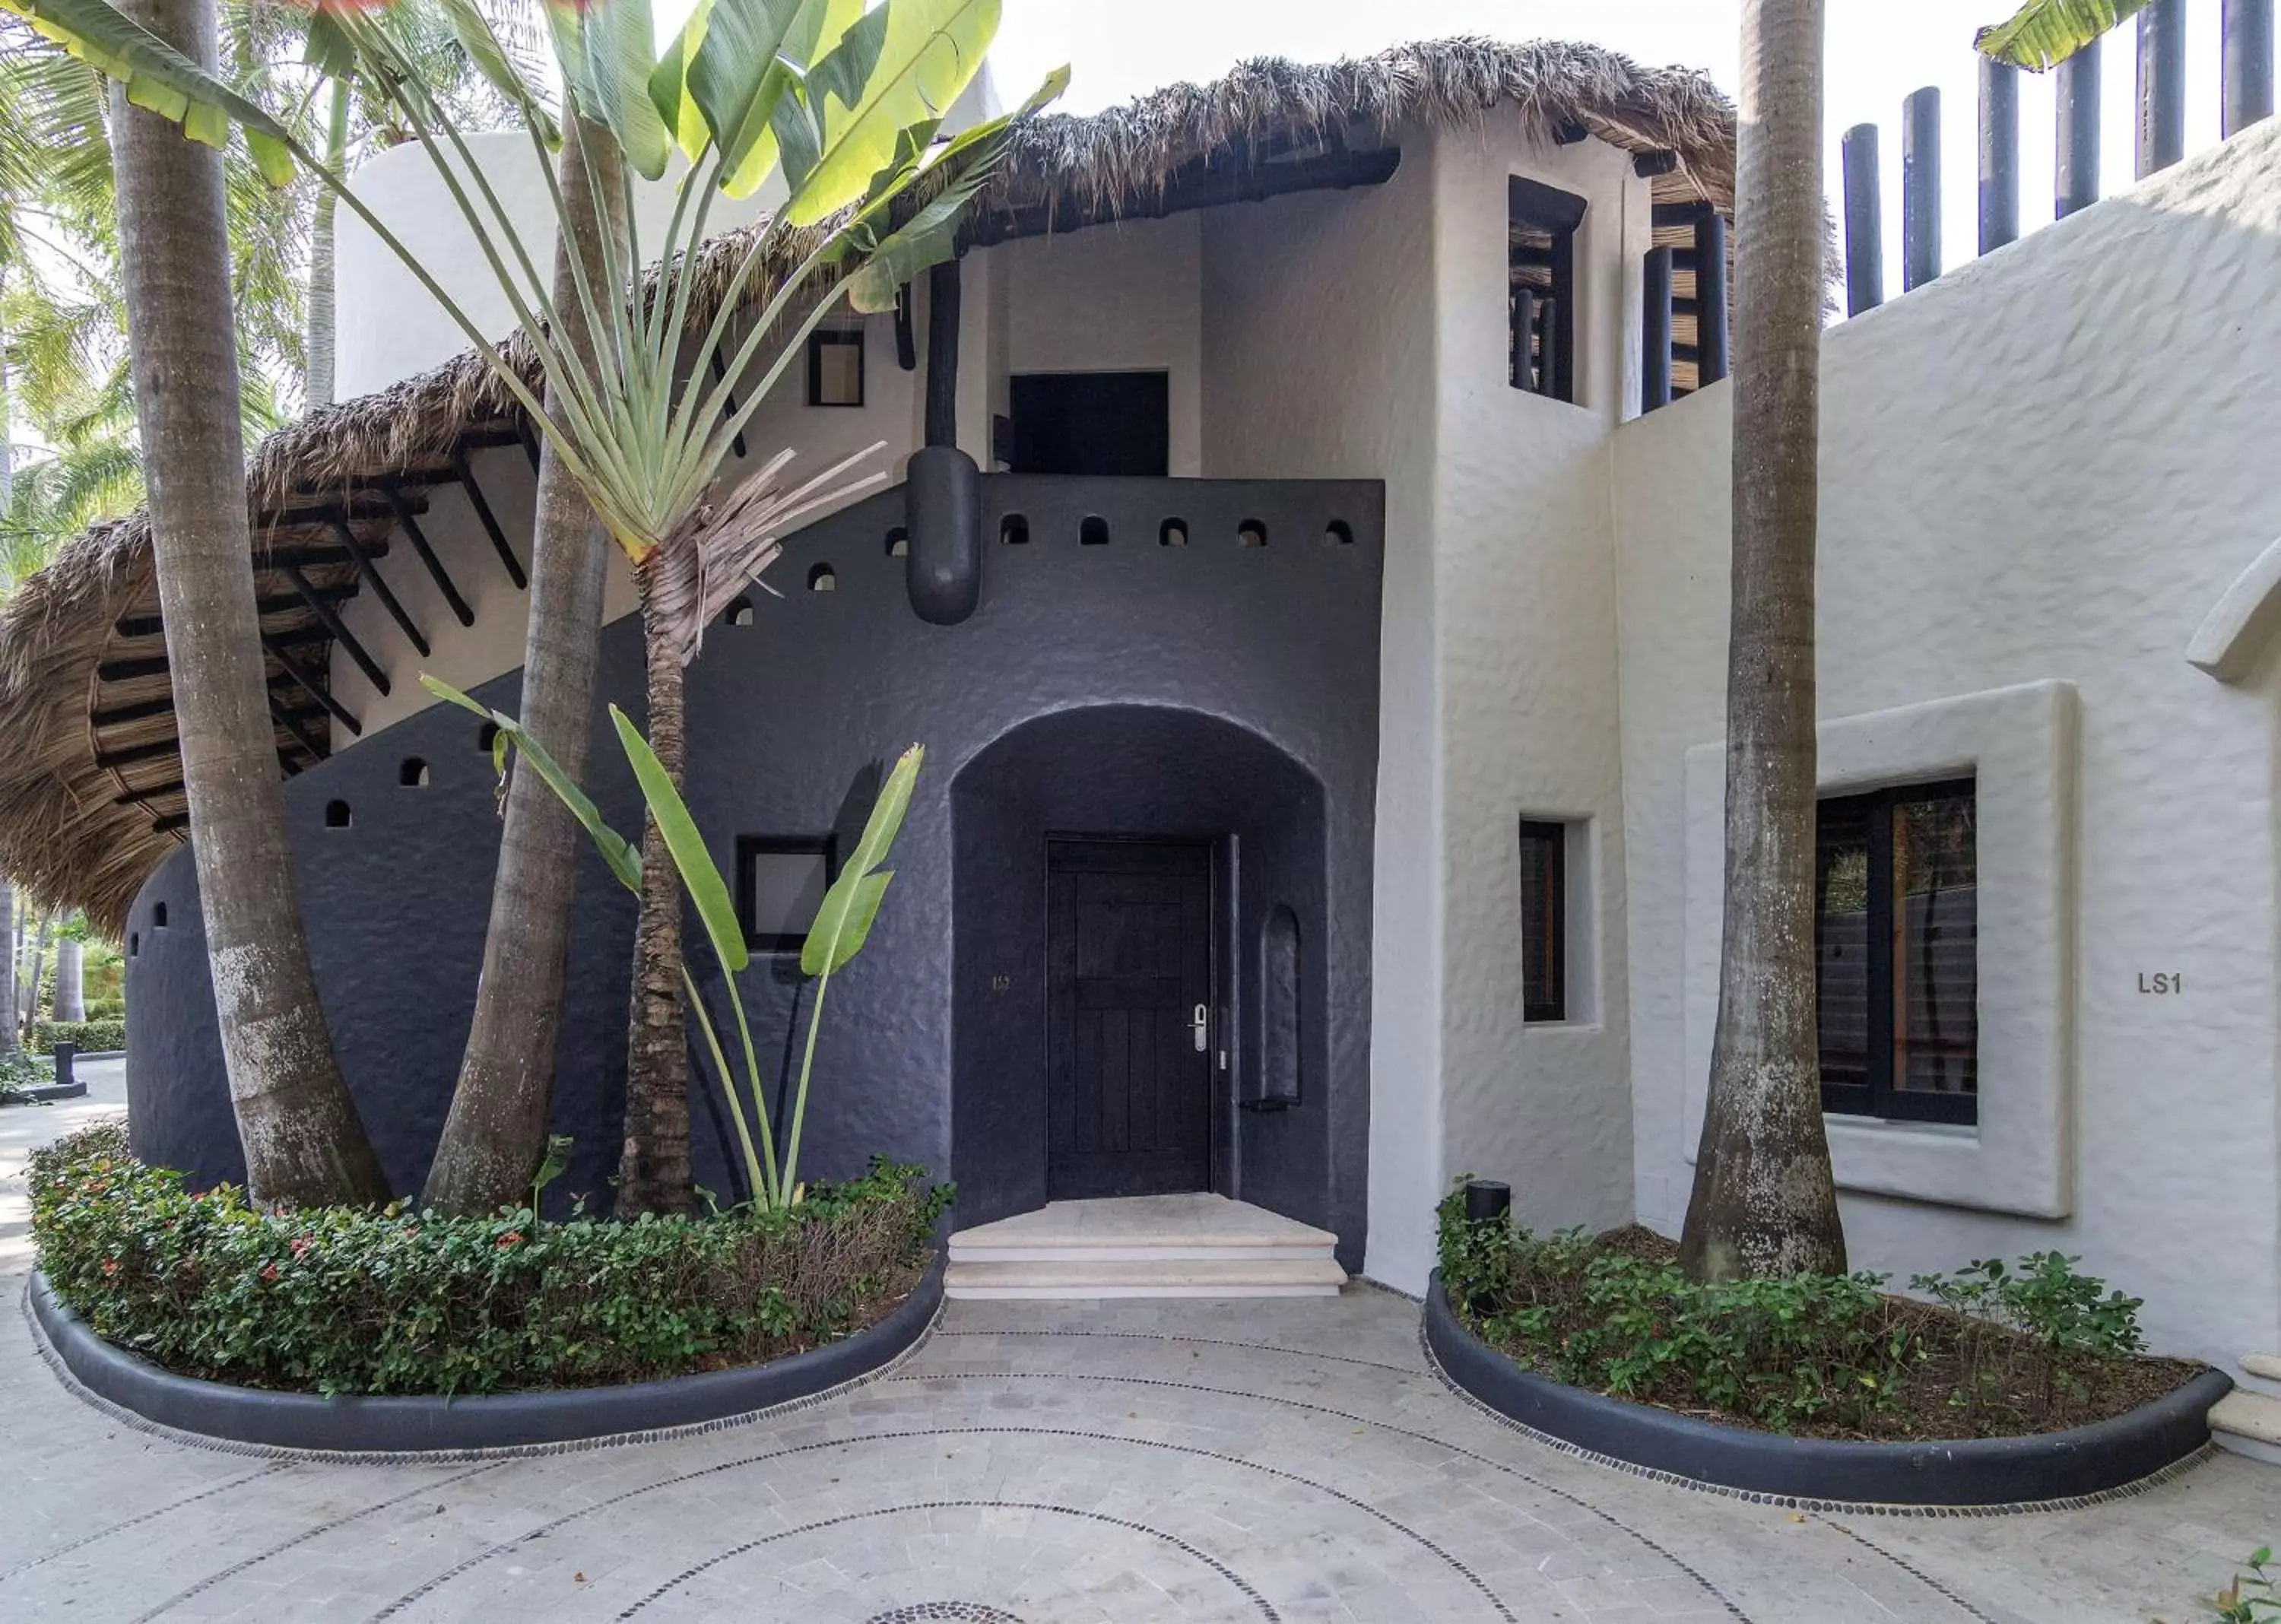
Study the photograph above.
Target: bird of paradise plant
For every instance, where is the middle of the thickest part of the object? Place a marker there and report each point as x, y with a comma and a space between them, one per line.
842, 924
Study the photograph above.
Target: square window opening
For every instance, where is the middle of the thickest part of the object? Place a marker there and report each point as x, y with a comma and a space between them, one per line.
1897, 952
1540, 286
780, 884
835, 369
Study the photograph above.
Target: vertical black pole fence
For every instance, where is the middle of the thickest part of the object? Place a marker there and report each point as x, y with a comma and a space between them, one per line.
1921, 187
2076, 170
2248, 31
1710, 363
2000, 154
1524, 337
1865, 237
2162, 86
1655, 332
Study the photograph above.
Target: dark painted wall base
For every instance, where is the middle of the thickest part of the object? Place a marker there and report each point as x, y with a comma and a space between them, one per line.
2062, 1465
402, 1424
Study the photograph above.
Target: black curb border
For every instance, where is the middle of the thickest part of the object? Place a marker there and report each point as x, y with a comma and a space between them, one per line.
1970, 1472
48, 1093
399, 1425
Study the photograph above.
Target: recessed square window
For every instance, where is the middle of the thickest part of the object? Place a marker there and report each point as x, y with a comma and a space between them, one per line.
1896, 936
1544, 921
835, 369
780, 884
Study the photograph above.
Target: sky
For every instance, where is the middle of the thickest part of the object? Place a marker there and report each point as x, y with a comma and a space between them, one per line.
1877, 55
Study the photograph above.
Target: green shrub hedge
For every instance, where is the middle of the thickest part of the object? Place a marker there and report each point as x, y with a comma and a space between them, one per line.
339, 1300
94, 1037
2000, 1351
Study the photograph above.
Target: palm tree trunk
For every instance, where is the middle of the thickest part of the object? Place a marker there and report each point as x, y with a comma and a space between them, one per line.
9, 1042
303, 1141
654, 1173
1764, 1201
319, 350
39, 968
496, 1130
70, 980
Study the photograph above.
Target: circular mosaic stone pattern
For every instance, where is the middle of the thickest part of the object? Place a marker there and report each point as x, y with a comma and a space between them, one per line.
963, 1613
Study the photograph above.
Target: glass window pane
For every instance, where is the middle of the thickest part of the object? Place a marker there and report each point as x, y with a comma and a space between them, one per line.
1936, 946
1841, 940
787, 888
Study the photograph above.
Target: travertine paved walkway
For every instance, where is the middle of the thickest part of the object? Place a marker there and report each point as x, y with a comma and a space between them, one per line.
1053, 1465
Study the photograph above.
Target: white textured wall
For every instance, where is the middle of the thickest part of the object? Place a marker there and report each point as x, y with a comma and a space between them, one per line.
2049, 465
1124, 298
1525, 624
1318, 363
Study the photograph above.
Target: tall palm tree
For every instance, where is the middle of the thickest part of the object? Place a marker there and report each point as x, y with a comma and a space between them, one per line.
303, 1141
1764, 1201
496, 1132
9, 1044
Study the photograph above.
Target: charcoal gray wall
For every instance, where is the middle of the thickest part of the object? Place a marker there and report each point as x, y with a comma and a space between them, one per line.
1241, 688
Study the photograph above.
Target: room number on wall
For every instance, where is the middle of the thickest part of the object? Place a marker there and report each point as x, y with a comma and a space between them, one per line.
2161, 983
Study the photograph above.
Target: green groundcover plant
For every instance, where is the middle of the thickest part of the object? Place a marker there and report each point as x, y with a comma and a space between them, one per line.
20, 1074
1998, 1350
341, 1300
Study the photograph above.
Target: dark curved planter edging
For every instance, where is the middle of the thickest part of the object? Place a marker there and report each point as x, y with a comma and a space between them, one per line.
48, 1093
2062, 1465
401, 1425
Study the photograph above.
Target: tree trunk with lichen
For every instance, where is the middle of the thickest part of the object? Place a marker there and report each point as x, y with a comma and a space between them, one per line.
495, 1132
304, 1142
9, 1041
653, 1171
1764, 1201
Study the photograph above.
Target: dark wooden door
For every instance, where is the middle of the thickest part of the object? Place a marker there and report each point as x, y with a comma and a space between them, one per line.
1128, 966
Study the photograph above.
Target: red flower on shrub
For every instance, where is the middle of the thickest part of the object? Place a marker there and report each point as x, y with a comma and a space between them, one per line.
302, 1246
110, 1267
512, 1237
269, 1271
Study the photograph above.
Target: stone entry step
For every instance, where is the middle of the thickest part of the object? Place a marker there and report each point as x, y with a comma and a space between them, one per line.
1146, 1245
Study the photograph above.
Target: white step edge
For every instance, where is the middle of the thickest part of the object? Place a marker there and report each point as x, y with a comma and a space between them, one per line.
1153, 1278
2248, 1424
2265, 1365
1189, 1250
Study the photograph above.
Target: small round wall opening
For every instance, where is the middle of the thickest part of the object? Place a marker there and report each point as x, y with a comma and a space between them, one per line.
134, 945
487, 736
1014, 530
899, 543
740, 612
1172, 533
1093, 531
823, 578
336, 814
1252, 533
412, 773
158, 915
1339, 533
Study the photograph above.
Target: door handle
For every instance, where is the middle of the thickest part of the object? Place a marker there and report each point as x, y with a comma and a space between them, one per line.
1201, 1021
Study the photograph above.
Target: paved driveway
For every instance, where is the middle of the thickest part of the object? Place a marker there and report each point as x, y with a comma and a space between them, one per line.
1051, 1464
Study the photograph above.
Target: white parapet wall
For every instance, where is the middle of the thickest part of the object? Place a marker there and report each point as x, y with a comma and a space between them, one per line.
2040, 476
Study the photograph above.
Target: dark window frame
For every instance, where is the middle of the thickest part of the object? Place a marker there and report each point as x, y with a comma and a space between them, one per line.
1552, 940
1878, 1098
750, 848
817, 342
1533, 207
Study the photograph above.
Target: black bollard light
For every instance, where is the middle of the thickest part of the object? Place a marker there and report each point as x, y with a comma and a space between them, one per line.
1488, 1200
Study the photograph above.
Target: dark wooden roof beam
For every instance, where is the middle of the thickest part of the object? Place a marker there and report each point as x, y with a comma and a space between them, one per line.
407, 517
137, 666
467, 476
315, 689
339, 631
380, 588
152, 625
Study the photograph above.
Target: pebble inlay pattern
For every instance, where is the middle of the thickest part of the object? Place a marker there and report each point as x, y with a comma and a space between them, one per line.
963, 1613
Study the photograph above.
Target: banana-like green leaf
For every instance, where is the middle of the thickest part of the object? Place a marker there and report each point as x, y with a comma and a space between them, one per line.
624, 863
621, 54
896, 67
472, 30
159, 79
730, 74
699, 876
668, 85
812, 36
843, 922
2044, 33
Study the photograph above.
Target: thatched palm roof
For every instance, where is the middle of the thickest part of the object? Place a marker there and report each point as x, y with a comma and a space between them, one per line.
90, 799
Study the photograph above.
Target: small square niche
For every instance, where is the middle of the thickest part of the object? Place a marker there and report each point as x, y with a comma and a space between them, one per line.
835, 369
780, 884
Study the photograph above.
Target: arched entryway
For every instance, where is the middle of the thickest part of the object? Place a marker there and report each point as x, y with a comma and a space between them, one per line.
1118, 871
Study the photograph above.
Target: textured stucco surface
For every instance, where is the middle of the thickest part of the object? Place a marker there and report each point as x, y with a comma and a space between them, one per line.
2046, 467
790, 718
